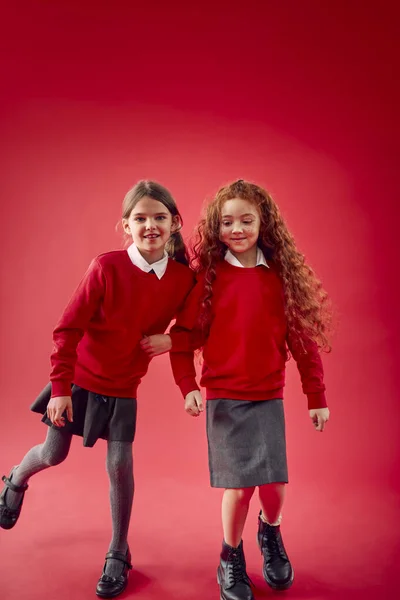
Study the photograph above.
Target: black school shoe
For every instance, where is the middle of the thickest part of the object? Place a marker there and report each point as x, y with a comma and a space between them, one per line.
110, 587
277, 570
233, 580
9, 516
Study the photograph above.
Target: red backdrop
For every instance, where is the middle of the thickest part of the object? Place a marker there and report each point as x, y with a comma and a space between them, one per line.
297, 96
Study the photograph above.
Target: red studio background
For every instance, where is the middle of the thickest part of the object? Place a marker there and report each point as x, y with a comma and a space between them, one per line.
297, 96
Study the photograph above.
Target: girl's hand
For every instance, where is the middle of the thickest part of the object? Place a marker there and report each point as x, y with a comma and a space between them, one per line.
56, 407
157, 344
194, 403
319, 417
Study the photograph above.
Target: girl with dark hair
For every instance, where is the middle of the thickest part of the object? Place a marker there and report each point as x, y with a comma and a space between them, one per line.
100, 355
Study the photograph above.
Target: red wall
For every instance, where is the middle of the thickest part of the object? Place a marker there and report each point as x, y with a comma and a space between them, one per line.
297, 96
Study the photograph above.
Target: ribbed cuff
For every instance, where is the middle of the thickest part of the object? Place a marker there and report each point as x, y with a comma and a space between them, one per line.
60, 388
316, 400
188, 384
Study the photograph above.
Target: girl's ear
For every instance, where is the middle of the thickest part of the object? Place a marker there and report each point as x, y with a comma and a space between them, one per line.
176, 224
125, 226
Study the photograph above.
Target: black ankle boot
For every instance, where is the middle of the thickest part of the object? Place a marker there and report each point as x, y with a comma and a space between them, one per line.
231, 574
9, 516
277, 570
110, 587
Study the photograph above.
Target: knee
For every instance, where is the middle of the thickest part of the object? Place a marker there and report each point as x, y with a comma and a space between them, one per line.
119, 473
119, 464
273, 488
242, 495
119, 468
53, 458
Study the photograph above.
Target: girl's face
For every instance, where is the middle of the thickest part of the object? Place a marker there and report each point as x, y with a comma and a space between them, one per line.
240, 227
150, 224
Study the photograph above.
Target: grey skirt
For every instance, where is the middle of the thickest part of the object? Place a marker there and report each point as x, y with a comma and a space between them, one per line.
95, 416
246, 442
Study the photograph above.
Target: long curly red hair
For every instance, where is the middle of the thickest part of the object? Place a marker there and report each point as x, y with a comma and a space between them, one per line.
307, 305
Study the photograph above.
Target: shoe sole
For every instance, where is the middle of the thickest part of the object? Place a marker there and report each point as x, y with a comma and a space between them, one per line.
276, 586
7, 527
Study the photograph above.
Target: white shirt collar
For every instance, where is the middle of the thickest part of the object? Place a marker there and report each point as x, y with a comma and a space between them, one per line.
158, 267
260, 259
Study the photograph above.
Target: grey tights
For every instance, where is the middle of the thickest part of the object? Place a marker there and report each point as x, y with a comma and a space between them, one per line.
120, 471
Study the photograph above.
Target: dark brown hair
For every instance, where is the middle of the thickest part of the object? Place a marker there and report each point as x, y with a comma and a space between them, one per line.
175, 246
307, 304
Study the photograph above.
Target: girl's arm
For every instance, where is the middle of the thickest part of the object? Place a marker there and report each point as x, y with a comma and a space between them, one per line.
186, 337
184, 343
71, 327
183, 339
184, 371
311, 371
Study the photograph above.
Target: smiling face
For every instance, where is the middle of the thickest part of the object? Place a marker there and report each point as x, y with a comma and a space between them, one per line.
240, 228
150, 224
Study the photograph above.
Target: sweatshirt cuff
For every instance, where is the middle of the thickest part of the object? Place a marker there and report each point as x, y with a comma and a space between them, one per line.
316, 400
60, 388
180, 341
188, 384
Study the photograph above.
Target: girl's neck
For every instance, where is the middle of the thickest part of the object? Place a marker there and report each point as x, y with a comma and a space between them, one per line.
152, 257
247, 259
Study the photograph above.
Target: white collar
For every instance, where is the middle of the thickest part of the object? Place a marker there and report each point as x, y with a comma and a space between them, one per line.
260, 259
158, 267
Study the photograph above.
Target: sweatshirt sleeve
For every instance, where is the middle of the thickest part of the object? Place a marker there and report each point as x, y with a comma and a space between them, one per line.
71, 327
186, 337
311, 371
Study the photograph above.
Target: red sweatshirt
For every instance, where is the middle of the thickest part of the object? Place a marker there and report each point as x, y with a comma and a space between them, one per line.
96, 341
246, 350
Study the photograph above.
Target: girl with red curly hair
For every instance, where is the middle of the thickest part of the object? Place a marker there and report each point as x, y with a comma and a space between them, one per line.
255, 302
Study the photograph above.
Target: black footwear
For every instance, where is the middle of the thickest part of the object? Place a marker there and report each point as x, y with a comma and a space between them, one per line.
9, 516
277, 570
110, 587
231, 574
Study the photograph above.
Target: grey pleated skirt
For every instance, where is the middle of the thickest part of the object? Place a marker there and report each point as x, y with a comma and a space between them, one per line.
246, 442
95, 416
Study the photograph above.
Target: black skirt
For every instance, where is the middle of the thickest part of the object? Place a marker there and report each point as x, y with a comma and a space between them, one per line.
95, 416
246, 442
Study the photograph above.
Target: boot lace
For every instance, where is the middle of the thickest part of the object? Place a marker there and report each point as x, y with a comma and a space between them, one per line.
237, 570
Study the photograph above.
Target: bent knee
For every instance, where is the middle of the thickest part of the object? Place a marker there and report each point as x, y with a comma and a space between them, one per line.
52, 459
